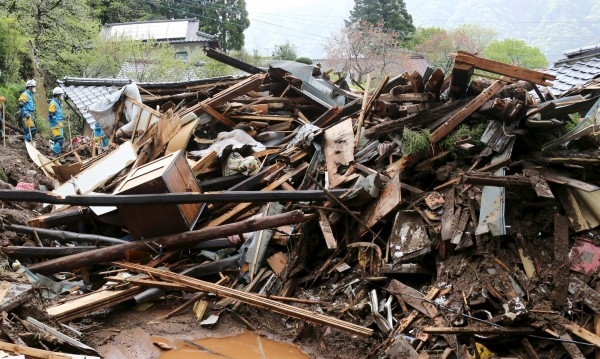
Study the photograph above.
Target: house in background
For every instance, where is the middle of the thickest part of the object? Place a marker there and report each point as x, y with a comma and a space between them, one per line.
579, 67
182, 34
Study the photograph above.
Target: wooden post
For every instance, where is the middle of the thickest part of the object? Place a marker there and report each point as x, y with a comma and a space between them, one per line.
2, 99
363, 110
167, 242
69, 128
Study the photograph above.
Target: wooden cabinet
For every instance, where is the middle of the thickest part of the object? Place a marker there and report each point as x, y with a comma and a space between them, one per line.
168, 174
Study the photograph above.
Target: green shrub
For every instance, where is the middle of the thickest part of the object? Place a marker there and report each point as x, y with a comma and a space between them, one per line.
415, 141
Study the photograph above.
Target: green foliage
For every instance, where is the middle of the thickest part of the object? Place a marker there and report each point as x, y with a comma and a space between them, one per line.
461, 133
304, 60
12, 50
421, 35
415, 141
286, 51
392, 13
516, 52
56, 30
574, 120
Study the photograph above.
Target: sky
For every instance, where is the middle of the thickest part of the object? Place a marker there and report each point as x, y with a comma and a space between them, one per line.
307, 24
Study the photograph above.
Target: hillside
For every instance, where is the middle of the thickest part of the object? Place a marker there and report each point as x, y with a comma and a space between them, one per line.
552, 25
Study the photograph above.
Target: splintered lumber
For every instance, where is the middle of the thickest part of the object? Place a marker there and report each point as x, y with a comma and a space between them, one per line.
466, 111
480, 330
326, 230
339, 151
268, 189
252, 299
86, 304
388, 200
224, 96
39, 353
59, 218
517, 72
168, 242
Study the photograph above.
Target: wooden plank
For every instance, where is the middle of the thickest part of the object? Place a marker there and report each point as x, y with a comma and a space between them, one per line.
410, 295
330, 240
168, 126
243, 206
252, 299
517, 72
388, 201
448, 215
583, 334
277, 262
466, 111
206, 161
39, 353
217, 115
339, 151
571, 348
96, 175
95, 301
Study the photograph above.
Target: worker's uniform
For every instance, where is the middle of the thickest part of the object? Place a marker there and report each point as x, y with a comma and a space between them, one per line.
100, 137
55, 118
27, 107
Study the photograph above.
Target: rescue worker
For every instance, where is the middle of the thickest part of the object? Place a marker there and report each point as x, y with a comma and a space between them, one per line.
100, 137
27, 106
55, 118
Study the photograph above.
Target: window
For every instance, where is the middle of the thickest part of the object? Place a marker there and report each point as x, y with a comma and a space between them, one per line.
181, 55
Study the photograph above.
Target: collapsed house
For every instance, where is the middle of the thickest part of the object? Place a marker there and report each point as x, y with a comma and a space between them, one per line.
437, 216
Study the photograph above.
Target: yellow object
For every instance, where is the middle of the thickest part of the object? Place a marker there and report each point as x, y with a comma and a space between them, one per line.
484, 352
56, 131
28, 121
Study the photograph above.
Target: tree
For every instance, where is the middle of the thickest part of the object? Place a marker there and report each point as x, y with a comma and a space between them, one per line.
392, 13
438, 45
286, 51
56, 30
516, 52
115, 11
362, 47
12, 50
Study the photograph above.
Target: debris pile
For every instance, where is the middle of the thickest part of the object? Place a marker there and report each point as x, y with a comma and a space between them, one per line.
430, 216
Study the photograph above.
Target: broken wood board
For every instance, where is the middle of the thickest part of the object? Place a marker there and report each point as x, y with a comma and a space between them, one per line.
243, 206
169, 125
409, 239
81, 306
412, 297
43, 162
466, 111
277, 262
325, 226
96, 175
206, 161
339, 151
252, 299
181, 139
388, 201
39, 353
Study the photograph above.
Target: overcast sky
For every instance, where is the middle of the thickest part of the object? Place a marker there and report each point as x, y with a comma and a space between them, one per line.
306, 24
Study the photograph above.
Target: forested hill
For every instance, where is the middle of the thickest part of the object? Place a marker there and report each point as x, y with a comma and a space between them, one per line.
551, 25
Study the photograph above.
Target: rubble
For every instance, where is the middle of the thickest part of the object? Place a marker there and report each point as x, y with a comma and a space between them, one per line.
429, 217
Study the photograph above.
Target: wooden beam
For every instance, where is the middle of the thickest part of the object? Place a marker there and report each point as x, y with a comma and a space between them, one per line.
252, 299
466, 111
39, 353
501, 68
583, 334
168, 242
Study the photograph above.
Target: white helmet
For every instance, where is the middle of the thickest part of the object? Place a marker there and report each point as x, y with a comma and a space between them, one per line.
30, 83
57, 91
